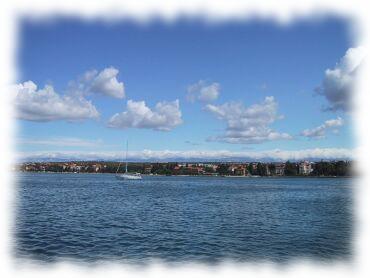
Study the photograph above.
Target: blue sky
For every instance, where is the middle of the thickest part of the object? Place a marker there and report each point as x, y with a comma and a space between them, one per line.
240, 63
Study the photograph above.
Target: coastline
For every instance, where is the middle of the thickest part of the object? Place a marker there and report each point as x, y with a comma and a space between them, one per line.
197, 176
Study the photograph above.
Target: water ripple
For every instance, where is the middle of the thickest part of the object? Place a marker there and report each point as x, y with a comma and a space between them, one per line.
95, 217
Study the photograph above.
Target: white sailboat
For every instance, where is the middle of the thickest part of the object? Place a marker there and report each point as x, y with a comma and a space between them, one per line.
127, 175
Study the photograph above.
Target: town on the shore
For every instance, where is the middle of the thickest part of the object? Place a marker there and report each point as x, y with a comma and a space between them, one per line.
301, 168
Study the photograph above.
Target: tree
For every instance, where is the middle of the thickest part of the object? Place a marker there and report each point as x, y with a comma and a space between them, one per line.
272, 168
290, 169
250, 169
208, 169
261, 169
223, 169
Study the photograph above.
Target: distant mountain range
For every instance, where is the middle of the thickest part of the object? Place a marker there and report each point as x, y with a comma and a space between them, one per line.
192, 156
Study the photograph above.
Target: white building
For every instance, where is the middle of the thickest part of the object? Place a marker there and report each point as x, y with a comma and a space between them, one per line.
305, 168
279, 169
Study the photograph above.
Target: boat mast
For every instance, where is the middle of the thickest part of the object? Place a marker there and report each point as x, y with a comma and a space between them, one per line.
126, 155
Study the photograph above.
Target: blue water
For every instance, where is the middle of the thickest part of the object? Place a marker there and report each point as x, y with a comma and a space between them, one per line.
95, 217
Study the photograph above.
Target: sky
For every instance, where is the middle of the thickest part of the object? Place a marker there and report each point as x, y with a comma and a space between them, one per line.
244, 90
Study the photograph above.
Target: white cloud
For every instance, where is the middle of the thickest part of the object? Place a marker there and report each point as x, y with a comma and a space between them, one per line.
320, 131
46, 105
203, 92
104, 82
193, 155
247, 125
338, 83
165, 116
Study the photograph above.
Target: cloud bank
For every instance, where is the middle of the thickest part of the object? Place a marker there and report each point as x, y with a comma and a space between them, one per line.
164, 116
192, 155
45, 104
248, 125
320, 131
338, 84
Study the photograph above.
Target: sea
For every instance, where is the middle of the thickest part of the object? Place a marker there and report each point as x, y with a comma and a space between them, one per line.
92, 218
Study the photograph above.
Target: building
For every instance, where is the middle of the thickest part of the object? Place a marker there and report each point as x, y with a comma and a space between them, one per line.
231, 169
211, 166
148, 169
240, 171
254, 165
279, 169
305, 168
268, 172
192, 170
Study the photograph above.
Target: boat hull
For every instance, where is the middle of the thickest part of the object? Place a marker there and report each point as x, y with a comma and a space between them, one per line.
128, 177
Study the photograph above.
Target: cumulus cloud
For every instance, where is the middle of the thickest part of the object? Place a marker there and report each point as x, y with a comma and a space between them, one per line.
247, 125
192, 155
45, 104
338, 83
104, 82
320, 131
165, 116
203, 91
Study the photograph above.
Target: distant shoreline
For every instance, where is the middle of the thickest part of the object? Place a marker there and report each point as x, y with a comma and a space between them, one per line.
198, 176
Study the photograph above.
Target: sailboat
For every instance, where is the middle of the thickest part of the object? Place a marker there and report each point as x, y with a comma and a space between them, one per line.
127, 175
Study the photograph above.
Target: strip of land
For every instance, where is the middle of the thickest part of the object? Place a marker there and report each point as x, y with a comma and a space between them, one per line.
250, 169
